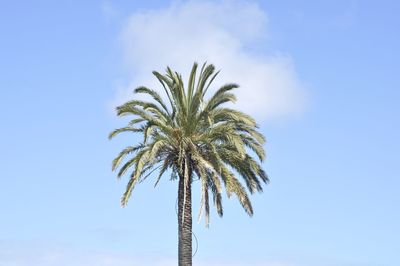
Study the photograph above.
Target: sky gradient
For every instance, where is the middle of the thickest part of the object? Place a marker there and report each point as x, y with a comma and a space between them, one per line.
329, 119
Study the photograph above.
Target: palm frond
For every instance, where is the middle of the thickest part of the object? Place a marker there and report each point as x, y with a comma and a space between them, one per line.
123, 154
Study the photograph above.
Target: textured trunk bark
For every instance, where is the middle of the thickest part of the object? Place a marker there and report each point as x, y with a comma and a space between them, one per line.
185, 221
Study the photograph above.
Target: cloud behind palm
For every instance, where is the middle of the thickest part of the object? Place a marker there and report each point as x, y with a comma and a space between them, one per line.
224, 33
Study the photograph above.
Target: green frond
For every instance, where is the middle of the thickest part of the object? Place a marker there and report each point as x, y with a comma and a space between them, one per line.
156, 147
198, 97
141, 162
245, 169
234, 186
252, 132
148, 129
123, 154
209, 83
135, 121
174, 174
128, 191
254, 146
132, 162
201, 173
166, 84
201, 163
228, 114
154, 95
206, 204
123, 129
149, 107
237, 143
148, 170
263, 175
191, 82
131, 110
204, 76
215, 185
222, 95
164, 168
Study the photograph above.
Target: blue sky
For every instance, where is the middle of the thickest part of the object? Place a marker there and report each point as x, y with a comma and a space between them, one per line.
330, 118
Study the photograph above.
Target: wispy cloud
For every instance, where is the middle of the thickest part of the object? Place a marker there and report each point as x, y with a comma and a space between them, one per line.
229, 34
34, 254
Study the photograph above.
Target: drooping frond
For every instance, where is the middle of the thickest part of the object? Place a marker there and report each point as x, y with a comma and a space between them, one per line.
221, 96
123, 129
116, 162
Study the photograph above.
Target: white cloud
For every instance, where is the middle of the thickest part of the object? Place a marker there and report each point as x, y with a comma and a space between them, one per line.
33, 253
245, 263
16, 253
224, 33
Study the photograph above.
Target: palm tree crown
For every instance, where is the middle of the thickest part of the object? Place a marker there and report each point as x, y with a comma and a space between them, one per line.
193, 135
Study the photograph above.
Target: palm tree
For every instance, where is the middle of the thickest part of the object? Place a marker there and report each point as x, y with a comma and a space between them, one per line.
192, 137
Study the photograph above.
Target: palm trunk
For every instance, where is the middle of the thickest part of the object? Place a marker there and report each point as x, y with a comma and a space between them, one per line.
185, 221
